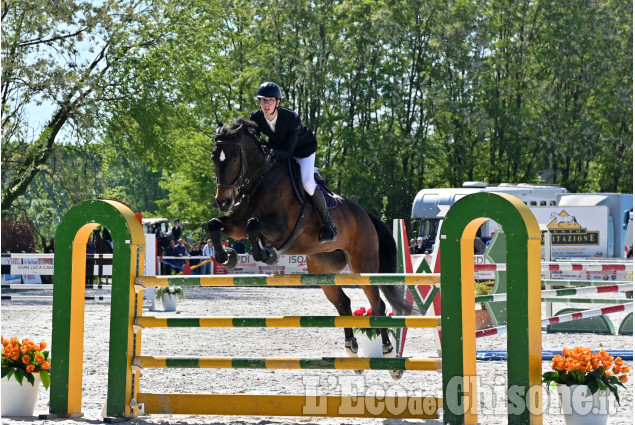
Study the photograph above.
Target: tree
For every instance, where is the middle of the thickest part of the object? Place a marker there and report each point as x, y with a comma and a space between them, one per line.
58, 58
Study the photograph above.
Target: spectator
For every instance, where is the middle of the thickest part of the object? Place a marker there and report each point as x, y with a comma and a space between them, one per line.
196, 251
176, 232
239, 247
90, 260
413, 245
50, 248
171, 252
491, 236
208, 251
181, 251
420, 249
156, 230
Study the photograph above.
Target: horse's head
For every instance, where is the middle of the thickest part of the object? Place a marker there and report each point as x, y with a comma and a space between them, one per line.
233, 156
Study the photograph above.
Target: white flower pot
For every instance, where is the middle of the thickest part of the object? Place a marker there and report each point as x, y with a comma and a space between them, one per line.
580, 407
169, 302
369, 347
19, 400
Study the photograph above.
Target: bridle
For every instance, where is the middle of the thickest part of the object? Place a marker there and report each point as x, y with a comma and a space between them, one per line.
240, 184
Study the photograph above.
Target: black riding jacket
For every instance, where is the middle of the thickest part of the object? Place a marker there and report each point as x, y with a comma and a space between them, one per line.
292, 138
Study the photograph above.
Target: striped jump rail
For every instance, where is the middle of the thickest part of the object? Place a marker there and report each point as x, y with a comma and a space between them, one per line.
564, 318
328, 363
49, 298
556, 282
414, 407
290, 322
255, 280
564, 292
555, 266
49, 286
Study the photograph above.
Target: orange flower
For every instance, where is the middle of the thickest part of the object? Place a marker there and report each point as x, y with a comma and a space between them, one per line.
39, 358
42, 345
15, 356
5, 341
626, 369
568, 366
14, 340
607, 373
616, 369
26, 359
30, 368
623, 378
45, 366
24, 349
619, 361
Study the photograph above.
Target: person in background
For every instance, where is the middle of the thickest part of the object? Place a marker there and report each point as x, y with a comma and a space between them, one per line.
50, 248
196, 251
176, 233
208, 251
420, 249
413, 245
171, 252
239, 247
90, 260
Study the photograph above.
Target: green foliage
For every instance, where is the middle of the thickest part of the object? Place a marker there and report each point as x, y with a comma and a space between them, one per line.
401, 95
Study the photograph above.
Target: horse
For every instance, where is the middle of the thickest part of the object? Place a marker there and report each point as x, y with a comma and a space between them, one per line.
260, 202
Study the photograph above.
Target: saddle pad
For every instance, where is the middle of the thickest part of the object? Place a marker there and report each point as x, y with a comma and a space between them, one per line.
294, 172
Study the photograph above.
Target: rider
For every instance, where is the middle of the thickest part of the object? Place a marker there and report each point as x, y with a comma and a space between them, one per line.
289, 137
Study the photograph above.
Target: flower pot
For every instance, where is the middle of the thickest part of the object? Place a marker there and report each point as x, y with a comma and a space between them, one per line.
580, 407
169, 302
369, 347
19, 400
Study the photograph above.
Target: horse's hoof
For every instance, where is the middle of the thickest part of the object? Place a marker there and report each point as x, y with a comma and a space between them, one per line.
232, 260
351, 346
272, 256
396, 374
388, 350
221, 257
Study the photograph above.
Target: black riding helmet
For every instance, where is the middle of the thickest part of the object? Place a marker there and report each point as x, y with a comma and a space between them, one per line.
269, 89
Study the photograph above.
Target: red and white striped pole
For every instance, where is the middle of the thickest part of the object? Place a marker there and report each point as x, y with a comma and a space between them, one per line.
564, 318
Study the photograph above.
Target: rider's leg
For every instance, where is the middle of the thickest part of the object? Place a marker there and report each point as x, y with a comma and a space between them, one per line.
328, 232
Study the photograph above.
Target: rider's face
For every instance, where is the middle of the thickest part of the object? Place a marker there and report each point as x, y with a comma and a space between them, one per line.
268, 105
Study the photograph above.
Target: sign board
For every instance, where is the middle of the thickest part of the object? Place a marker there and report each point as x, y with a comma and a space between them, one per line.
576, 231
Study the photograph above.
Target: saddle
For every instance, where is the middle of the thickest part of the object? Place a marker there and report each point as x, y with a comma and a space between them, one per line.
298, 190
294, 172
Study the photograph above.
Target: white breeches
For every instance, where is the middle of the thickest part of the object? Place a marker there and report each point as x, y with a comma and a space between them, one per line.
306, 170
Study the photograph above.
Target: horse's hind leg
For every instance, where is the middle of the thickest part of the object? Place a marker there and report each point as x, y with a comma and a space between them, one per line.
333, 262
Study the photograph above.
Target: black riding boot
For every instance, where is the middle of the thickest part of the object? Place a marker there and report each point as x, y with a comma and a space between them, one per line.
328, 232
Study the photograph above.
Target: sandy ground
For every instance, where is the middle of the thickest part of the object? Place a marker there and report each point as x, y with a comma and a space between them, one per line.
32, 319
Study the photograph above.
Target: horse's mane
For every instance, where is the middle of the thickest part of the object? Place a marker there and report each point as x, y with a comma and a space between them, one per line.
232, 133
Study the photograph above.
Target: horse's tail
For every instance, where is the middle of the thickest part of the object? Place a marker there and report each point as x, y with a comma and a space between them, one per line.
388, 264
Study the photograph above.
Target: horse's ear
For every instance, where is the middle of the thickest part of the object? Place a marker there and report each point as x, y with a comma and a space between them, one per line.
240, 130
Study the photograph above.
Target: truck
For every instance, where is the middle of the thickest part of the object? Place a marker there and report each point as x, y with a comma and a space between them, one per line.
580, 224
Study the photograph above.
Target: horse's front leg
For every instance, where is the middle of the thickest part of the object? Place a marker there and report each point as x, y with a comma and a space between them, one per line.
226, 256
268, 227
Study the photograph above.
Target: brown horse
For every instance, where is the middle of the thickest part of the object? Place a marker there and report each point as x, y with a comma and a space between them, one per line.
261, 203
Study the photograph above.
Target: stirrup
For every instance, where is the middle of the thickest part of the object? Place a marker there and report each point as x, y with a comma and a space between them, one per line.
327, 234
